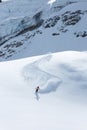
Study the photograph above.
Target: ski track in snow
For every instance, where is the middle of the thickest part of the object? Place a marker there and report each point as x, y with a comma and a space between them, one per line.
35, 76
69, 77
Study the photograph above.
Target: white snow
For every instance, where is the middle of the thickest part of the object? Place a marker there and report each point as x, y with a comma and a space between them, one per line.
60, 69
50, 2
62, 100
10, 24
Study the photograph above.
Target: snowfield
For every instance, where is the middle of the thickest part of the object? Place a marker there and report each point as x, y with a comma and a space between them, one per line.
62, 100
43, 43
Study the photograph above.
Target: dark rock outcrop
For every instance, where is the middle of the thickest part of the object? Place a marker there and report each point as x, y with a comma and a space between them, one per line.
71, 18
51, 22
81, 34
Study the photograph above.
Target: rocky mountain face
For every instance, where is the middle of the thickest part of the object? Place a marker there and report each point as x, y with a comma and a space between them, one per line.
18, 33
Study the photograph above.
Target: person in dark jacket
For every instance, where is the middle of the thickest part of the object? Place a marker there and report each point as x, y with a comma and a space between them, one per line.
36, 92
37, 89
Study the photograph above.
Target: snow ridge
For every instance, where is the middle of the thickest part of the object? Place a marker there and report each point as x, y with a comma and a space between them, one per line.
64, 71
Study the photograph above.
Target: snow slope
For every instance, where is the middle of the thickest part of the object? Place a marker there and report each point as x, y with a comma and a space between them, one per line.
57, 29
62, 100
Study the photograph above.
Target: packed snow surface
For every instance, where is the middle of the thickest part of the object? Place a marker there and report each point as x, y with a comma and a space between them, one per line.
61, 102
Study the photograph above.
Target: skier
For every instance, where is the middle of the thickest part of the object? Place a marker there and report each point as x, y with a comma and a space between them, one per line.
37, 89
36, 92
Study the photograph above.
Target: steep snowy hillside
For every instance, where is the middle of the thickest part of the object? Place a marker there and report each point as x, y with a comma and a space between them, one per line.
61, 103
56, 31
64, 71
29, 28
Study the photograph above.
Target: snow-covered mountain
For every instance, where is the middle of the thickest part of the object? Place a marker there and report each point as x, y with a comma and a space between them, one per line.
29, 28
46, 43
